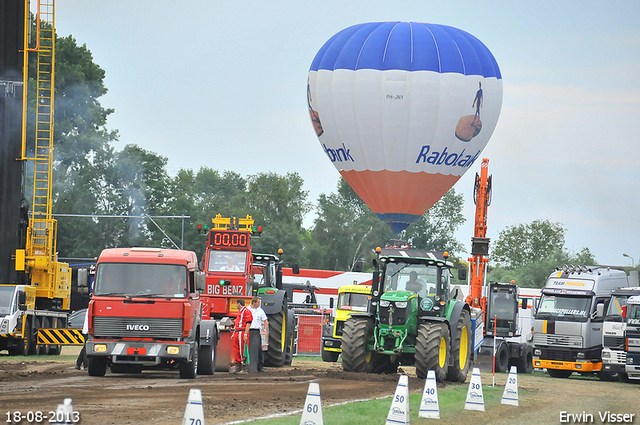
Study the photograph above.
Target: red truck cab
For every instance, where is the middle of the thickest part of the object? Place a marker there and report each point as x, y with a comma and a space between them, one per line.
146, 312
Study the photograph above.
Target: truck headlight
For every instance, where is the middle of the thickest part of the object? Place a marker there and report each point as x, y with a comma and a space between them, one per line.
606, 354
173, 350
537, 352
384, 303
580, 355
100, 348
401, 304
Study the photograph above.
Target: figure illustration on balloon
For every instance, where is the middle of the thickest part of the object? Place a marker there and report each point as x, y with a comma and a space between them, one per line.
469, 126
315, 117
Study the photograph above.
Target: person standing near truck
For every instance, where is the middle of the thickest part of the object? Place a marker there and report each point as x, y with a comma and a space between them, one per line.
240, 336
256, 355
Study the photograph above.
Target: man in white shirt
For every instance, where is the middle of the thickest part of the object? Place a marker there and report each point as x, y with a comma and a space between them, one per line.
259, 326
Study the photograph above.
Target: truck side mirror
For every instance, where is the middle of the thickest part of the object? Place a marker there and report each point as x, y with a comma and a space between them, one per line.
331, 303
462, 274
600, 310
295, 268
525, 303
200, 281
83, 282
22, 301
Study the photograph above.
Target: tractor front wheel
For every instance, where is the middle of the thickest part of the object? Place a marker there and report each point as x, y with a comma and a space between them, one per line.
355, 356
432, 350
461, 349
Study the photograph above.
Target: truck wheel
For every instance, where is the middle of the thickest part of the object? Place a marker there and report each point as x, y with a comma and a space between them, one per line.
56, 323
355, 357
276, 353
189, 370
432, 350
207, 356
24, 344
502, 358
525, 361
461, 350
556, 373
44, 323
97, 365
329, 356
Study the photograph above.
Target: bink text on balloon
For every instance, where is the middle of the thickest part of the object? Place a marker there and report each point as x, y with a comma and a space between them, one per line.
446, 158
340, 155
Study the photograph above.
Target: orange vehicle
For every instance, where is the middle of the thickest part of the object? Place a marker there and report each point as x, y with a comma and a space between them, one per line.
233, 271
146, 312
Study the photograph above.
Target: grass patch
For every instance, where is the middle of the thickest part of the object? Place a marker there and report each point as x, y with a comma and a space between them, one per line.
5, 358
451, 401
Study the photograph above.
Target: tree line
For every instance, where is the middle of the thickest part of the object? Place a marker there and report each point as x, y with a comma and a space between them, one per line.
113, 198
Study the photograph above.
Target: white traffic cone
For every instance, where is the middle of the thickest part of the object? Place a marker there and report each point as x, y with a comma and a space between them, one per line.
193, 413
399, 411
429, 407
64, 413
510, 394
312, 411
475, 399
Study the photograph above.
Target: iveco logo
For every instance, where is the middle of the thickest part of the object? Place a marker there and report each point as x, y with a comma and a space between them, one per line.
137, 327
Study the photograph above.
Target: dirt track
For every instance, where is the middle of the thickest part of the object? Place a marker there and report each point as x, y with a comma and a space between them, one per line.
160, 397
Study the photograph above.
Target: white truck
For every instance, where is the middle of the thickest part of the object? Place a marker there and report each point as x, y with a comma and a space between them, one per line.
632, 340
614, 354
567, 334
21, 318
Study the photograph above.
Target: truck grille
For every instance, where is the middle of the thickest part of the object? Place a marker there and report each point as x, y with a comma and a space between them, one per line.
557, 340
136, 327
614, 342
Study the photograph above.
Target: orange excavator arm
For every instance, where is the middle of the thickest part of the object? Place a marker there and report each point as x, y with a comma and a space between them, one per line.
480, 242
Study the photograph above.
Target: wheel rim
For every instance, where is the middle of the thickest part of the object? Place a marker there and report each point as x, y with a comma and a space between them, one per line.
367, 357
464, 347
442, 357
283, 341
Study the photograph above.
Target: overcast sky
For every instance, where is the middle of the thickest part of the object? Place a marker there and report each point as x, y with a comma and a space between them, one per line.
222, 84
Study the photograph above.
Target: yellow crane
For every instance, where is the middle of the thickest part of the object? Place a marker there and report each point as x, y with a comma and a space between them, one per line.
44, 300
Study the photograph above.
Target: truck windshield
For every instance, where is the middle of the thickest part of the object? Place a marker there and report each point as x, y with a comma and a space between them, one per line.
419, 278
614, 312
131, 279
6, 295
633, 312
227, 261
503, 305
564, 307
353, 302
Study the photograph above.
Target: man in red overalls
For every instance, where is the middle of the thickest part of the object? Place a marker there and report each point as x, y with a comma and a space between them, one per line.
240, 335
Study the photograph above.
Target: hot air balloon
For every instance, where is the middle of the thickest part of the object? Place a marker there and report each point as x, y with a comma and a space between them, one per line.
403, 110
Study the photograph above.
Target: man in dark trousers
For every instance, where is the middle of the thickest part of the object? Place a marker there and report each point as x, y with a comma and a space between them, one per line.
260, 322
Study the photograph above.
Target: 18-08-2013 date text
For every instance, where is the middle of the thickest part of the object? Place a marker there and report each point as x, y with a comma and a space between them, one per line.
41, 417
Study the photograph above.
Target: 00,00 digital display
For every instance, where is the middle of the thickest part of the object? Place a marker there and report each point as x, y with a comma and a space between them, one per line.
229, 239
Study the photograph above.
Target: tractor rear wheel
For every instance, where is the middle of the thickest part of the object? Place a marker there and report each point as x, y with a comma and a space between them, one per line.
432, 350
461, 350
277, 352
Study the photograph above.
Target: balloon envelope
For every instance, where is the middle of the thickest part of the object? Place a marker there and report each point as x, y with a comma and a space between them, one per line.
403, 110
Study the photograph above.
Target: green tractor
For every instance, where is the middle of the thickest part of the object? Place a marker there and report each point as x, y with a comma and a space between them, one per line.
414, 319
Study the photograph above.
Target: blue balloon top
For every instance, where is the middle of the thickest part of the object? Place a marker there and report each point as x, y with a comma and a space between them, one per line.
409, 46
